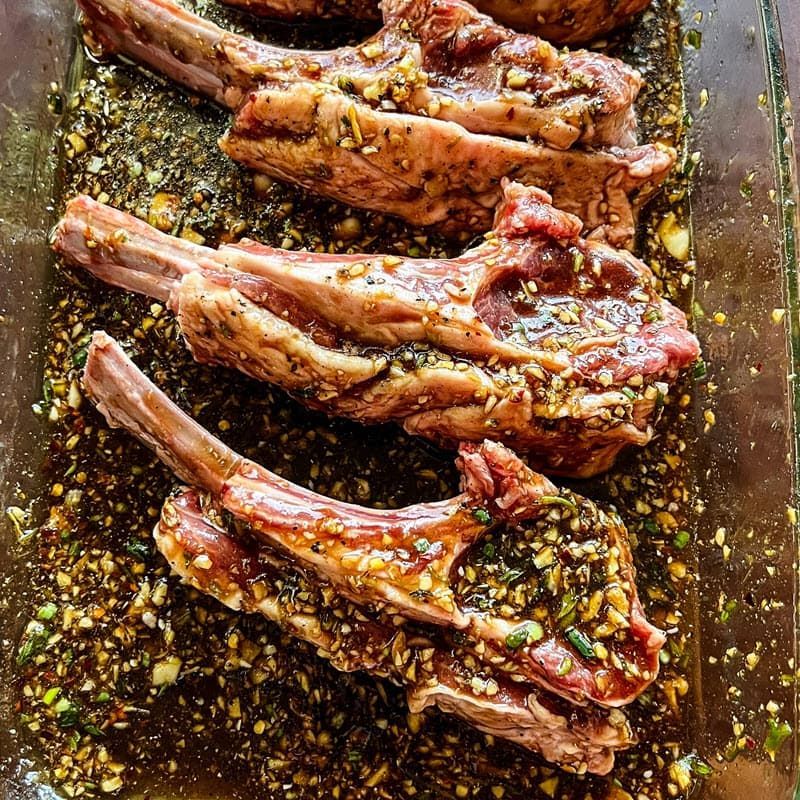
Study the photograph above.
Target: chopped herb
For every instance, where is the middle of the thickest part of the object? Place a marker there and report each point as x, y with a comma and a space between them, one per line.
727, 610
422, 545
777, 734
557, 500
565, 667
527, 633
33, 645
693, 39
511, 575
694, 764
482, 515
578, 259
68, 713
653, 315
681, 539
489, 551
580, 642
651, 526
700, 370
51, 695
47, 612
138, 548
354, 756
629, 393
79, 357
566, 614
93, 730
102, 697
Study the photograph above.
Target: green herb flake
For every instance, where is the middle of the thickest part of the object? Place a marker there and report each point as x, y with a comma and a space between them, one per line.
565, 667
34, 643
93, 730
51, 695
102, 697
580, 641
695, 765
557, 500
700, 370
422, 546
651, 526
80, 356
681, 540
777, 734
67, 713
693, 39
511, 575
653, 315
727, 611
629, 393
527, 633
482, 515
47, 612
138, 548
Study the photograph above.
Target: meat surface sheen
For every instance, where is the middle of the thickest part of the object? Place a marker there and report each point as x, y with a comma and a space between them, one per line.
249, 577
536, 338
423, 121
562, 21
603, 651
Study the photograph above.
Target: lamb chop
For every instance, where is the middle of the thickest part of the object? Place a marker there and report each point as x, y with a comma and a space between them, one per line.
563, 21
393, 126
601, 649
536, 338
439, 58
246, 576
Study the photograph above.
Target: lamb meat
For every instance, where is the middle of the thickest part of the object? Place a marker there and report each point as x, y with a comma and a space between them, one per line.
439, 58
392, 125
536, 338
402, 560
563, 21
246, 576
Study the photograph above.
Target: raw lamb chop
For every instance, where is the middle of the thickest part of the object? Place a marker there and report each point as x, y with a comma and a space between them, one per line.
601, 650
391, 126
536, 337
563, 21
249, 577
438, 58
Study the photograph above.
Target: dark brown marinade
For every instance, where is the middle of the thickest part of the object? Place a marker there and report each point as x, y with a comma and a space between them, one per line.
254, 712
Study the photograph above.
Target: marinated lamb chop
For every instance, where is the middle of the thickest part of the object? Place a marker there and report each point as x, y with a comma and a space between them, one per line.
403, 560
249, 577
562, 21
556, 345
439, 58
387, 126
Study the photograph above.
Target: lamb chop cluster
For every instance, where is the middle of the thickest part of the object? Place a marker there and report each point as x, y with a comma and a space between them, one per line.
512, 605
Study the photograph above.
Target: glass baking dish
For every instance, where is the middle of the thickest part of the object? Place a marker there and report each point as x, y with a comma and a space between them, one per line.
741, 434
